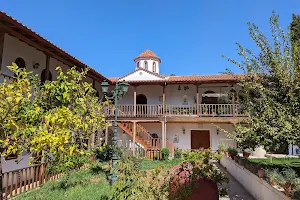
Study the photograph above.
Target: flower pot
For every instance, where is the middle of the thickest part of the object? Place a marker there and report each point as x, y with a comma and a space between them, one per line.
288, 188
231, 156
261, 172
236, 159
246, 154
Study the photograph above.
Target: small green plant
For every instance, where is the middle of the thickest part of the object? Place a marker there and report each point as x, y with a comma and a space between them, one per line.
178, 153
222, 148
274, 177
103, 153
289, 175
232, 151
165, 153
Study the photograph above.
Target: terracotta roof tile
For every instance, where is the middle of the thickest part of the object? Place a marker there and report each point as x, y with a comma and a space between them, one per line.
219, 78
24, 30
148, 54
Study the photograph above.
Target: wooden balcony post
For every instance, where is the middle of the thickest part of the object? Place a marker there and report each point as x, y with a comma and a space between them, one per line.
163, 135
164, 98
134, 101
197, 100
2, 33
134, 134
106, 134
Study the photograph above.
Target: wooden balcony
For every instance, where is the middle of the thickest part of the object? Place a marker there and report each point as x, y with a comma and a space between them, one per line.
159, 110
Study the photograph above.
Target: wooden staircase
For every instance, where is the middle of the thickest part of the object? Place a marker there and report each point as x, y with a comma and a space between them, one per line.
150, 145
143, 137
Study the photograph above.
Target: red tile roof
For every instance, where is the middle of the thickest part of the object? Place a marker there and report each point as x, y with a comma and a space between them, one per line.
147, 54
14, 27
195, 79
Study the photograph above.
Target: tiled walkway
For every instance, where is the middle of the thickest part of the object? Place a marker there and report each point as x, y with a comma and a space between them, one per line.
235, 189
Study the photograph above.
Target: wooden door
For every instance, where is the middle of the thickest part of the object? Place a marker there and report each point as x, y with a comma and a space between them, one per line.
200, 139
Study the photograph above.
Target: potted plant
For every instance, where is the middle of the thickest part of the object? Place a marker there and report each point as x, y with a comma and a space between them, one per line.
261, 172
246, 153
222, 148
232, 152
289, 176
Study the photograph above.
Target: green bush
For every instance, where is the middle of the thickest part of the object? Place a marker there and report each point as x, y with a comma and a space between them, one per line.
232, 151
275, 163
165, 153
178, 153
289, 175
103, 153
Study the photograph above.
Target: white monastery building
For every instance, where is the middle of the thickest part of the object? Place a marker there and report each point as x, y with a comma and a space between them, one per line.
189, 112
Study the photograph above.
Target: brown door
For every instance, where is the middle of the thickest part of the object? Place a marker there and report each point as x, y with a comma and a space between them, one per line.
200, 139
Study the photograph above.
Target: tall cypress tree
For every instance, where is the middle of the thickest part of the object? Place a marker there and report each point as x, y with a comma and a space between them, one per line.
295, 29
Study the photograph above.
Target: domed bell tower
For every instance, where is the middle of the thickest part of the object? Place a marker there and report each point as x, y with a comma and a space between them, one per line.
148, 61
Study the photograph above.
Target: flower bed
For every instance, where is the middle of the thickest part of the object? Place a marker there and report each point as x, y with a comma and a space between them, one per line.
281, 173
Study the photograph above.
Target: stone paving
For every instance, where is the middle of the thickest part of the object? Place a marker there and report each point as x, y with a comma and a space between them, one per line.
235, 189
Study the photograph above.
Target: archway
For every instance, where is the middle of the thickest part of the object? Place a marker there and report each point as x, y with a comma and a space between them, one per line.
206, 99
141, 101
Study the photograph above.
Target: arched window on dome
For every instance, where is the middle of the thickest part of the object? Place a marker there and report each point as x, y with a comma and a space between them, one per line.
154, 66
138, 64
146, 65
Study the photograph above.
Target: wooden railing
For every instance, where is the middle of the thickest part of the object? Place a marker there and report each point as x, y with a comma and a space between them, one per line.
201, 110
22, 180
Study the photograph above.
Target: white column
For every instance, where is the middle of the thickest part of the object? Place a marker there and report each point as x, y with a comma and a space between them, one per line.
134, 102
163, 135
134, 134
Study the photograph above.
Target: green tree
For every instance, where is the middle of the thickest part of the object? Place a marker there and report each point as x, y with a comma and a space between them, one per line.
269, 90
54, 120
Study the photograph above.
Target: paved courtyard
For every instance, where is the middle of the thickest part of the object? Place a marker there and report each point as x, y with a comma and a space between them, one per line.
235, 189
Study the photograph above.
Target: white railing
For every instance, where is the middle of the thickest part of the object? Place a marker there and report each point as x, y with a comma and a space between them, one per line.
201, 110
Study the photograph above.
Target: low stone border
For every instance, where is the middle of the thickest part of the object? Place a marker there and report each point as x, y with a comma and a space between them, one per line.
257, 187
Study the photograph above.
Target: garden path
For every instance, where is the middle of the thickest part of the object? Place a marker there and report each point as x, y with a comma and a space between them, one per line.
235, 190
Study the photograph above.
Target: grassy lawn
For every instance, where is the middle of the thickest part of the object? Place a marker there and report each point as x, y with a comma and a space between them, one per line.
146, 164
277, 161
83, 184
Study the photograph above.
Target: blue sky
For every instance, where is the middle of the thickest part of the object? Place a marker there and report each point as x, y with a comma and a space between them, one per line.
189, 36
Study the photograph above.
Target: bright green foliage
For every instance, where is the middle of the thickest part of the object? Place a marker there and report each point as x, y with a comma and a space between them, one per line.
165, 153
15, 94
269, 90
146, 164
54, 123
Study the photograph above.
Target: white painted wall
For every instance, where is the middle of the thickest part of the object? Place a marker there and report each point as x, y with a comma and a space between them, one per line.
141, 75
54, 64
14, 48
173, 95
257, 187
184, 139
141, 63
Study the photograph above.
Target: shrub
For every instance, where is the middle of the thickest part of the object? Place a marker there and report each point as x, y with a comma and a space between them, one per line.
165, 153
178, 153
103, 153
275, 175
222, 147
232, 151
289, 175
